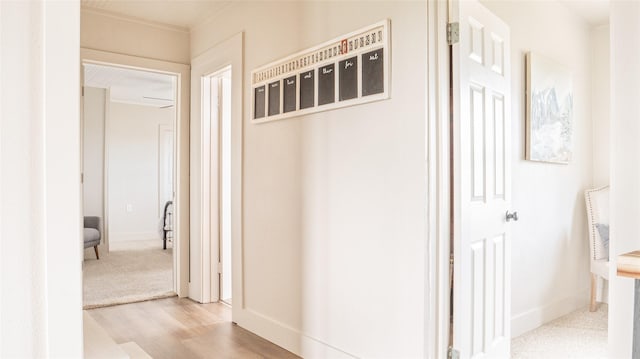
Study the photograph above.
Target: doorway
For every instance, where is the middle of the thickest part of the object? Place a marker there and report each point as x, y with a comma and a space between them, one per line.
216, 176
562, 287
216, 179
168, 146
129, 120
220, 84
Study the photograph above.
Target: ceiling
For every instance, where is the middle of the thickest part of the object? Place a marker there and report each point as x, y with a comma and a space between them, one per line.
595, 12
132, 86
180, 13
153, 89
187, 14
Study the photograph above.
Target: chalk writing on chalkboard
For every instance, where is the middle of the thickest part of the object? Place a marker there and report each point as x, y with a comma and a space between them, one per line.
274, 98
259, 103
326, 84
307, 89
289, 94
348, 70
373, 72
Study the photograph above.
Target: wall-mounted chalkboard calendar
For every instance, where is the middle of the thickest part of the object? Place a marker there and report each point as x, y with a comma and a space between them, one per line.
349, 70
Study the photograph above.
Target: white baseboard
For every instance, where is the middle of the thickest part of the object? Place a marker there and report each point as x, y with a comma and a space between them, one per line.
269, 329
287, 337
533, 318
133, 236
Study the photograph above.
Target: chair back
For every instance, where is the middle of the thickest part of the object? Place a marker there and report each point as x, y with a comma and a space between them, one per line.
597, 201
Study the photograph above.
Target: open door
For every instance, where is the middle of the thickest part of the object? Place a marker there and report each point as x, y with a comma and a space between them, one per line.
481, 183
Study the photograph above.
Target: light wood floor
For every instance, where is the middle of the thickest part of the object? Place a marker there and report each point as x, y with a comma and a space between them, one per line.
182, 328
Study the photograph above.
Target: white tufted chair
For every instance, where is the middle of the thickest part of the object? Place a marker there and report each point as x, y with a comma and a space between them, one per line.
597, 201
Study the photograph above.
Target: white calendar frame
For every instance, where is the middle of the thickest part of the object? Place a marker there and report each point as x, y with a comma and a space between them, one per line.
272, 72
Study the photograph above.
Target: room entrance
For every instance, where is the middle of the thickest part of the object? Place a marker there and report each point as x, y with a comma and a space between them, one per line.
129, 120
216, 116
216, 176
135, 185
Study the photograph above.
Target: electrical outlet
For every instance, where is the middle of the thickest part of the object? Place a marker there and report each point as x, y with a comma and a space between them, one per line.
129, 208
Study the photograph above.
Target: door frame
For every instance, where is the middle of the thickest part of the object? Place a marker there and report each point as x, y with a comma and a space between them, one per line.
181, 146
439, 179
228, 53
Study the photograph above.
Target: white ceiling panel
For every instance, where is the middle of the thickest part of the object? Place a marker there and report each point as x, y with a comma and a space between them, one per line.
132, 86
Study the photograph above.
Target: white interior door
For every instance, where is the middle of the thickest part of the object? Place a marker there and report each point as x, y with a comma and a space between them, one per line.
481, 70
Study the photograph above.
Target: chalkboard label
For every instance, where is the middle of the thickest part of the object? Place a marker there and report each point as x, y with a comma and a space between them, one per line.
326, 84
372, 72
258, 98
307, 89
274, 98
348, 78
289, 96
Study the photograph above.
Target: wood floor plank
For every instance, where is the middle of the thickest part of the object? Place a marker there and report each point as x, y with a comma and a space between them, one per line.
182, 328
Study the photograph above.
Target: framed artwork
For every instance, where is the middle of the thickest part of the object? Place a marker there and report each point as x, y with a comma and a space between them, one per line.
549, 106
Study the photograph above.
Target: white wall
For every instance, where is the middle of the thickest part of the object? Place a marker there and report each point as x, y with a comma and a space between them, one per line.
93, 151
133, 172
600, 99
334, 203
40, 242
106, 32
625, 169
550, 252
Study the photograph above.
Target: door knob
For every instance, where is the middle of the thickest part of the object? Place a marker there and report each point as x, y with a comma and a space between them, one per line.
512, 216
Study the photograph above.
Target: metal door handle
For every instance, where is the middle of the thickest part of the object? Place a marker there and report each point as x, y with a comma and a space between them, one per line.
512, 216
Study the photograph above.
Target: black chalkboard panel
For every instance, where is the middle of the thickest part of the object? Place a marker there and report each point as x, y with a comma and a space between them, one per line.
372, 72
258, 102
289, 94
274, 98
326, 84
348, 83
307, 89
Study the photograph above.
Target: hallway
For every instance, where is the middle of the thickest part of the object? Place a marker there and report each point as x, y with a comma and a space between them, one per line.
182, 328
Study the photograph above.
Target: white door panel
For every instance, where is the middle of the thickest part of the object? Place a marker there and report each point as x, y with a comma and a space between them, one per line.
482, 178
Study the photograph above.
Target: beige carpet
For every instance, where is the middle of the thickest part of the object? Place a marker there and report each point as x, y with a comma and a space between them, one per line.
132, 274
580, 334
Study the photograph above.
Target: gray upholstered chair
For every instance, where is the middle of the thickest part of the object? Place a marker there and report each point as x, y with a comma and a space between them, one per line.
92, 233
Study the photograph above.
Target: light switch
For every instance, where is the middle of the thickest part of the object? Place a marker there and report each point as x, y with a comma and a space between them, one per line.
129, 208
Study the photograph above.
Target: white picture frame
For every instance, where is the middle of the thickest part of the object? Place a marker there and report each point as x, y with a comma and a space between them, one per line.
549, 111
